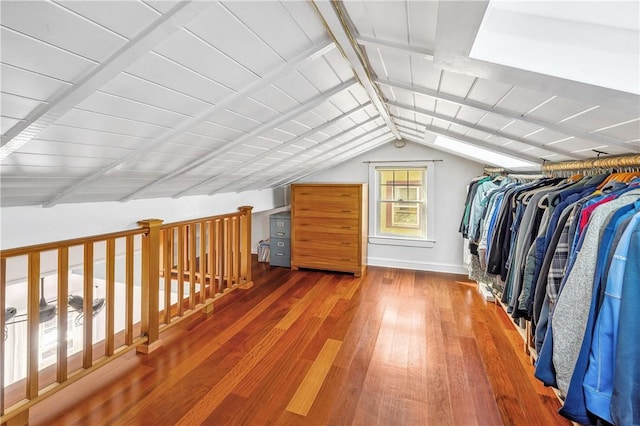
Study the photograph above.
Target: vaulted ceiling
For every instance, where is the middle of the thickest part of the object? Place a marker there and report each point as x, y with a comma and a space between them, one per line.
119, 100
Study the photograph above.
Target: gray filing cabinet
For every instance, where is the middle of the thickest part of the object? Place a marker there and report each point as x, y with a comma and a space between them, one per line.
280, 239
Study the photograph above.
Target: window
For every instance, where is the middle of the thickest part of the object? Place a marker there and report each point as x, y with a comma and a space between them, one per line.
399, 203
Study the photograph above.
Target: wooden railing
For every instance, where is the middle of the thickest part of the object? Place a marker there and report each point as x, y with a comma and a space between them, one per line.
152, 277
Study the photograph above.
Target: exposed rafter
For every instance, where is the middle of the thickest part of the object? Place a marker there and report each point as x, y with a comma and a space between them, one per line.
42, 117
335, 21
274, 149
307, 106
314, 147
280, 179
398, 47
191, 122
560, 128
485, 129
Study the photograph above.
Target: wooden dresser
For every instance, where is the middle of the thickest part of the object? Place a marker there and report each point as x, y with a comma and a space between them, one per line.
329, 227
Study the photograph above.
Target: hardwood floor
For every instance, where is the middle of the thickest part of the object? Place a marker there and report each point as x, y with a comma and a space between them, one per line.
395, 347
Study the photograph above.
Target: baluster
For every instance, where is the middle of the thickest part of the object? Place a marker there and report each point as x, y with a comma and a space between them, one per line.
150, 284
202, 262
128, 331
3, 301
181, 256
63, 313
110, 297
168, 267
212, 257
87, 307
192, 265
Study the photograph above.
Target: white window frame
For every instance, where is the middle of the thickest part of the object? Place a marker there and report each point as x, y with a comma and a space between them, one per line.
374, 237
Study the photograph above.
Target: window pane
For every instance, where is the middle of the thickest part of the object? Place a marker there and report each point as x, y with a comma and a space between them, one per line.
401, 203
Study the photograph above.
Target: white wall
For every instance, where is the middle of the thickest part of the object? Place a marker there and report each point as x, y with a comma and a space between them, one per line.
23, 226
451, 178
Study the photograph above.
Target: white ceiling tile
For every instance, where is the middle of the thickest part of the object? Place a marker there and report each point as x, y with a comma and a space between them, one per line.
42, 58
162, 71
6, 123
192, 139
424, 73
558, 109
546, 136
477, 134
272, 23
389, 20
603, 117
320, 74
234, 120
184, 150
162, 6
424, 102
339, 65
329, 110
488, 92
16, 106
194, 53
447, 108
423, 18
344, 101
456, 84
217, 131
275, 98
100, 122
127, 18
257, 111
397, 66
306, 18
22, 170
278, 135
29, 84
521, 128
494, 121
470, 115
222, 30
141, 90
92, 137
43, 160
296, 86
116, 106
577, 144
359, 15
46, 147
56, 25
625, 132
294, 127
521, 100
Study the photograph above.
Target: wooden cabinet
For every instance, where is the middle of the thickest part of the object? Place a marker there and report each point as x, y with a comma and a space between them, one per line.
329, 226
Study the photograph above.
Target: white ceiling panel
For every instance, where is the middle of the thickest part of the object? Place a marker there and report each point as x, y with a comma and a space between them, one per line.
275, 98
43, 58
127, 18
424, 74
141, 90
92, 137
629, 131
559, 107
162, 71
447, 108
338, 64
423, 19
359, 15
396, 66
297, 87
470, 115
56, 25
17, 106
29, 84
43, 160
522, 100
580, 145
456, 84
494, 121
117, 106
488, 92
477, 134
304, 16
521, 129
424, 102
217, 131
100, 122
193, 139
604, 117
220, 28
294, 127
319, 74
234, 120
258, 112
6, 123
193, 52
185, 150
45, 147
546, 136
277, 135
389, 20
272, 23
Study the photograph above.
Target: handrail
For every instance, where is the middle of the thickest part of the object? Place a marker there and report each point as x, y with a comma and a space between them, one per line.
213, 254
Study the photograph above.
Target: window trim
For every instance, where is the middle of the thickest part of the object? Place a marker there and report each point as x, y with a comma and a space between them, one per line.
374, 238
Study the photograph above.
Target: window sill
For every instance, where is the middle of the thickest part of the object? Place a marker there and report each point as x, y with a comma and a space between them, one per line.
403, 242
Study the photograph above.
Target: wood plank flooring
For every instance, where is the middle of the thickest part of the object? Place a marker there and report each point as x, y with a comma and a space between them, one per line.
395, 347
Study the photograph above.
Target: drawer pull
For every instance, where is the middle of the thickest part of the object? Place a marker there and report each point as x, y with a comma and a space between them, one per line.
346, 211
280, 244
346, 195
345, 243
304, 210
280, 234
281, 224
345, 227
279, 254
345, 258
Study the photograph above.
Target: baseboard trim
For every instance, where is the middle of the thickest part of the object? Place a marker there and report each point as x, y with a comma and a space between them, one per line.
418, 266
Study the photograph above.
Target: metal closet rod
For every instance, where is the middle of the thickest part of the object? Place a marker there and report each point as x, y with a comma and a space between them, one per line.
619, 162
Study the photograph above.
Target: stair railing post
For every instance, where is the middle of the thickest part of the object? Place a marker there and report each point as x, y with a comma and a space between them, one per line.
150, 291
245, 246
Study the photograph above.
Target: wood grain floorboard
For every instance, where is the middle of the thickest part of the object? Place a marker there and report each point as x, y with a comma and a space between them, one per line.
415, 348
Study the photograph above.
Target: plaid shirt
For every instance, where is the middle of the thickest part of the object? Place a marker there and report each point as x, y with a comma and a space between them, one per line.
560, 256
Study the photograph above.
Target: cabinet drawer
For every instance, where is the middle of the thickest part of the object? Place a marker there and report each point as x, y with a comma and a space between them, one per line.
333, 209
333, 192
327, 225
280, 252
332, 249
280, 228
318, 261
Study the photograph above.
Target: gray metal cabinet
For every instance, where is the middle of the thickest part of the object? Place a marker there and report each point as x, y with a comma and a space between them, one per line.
280, 239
